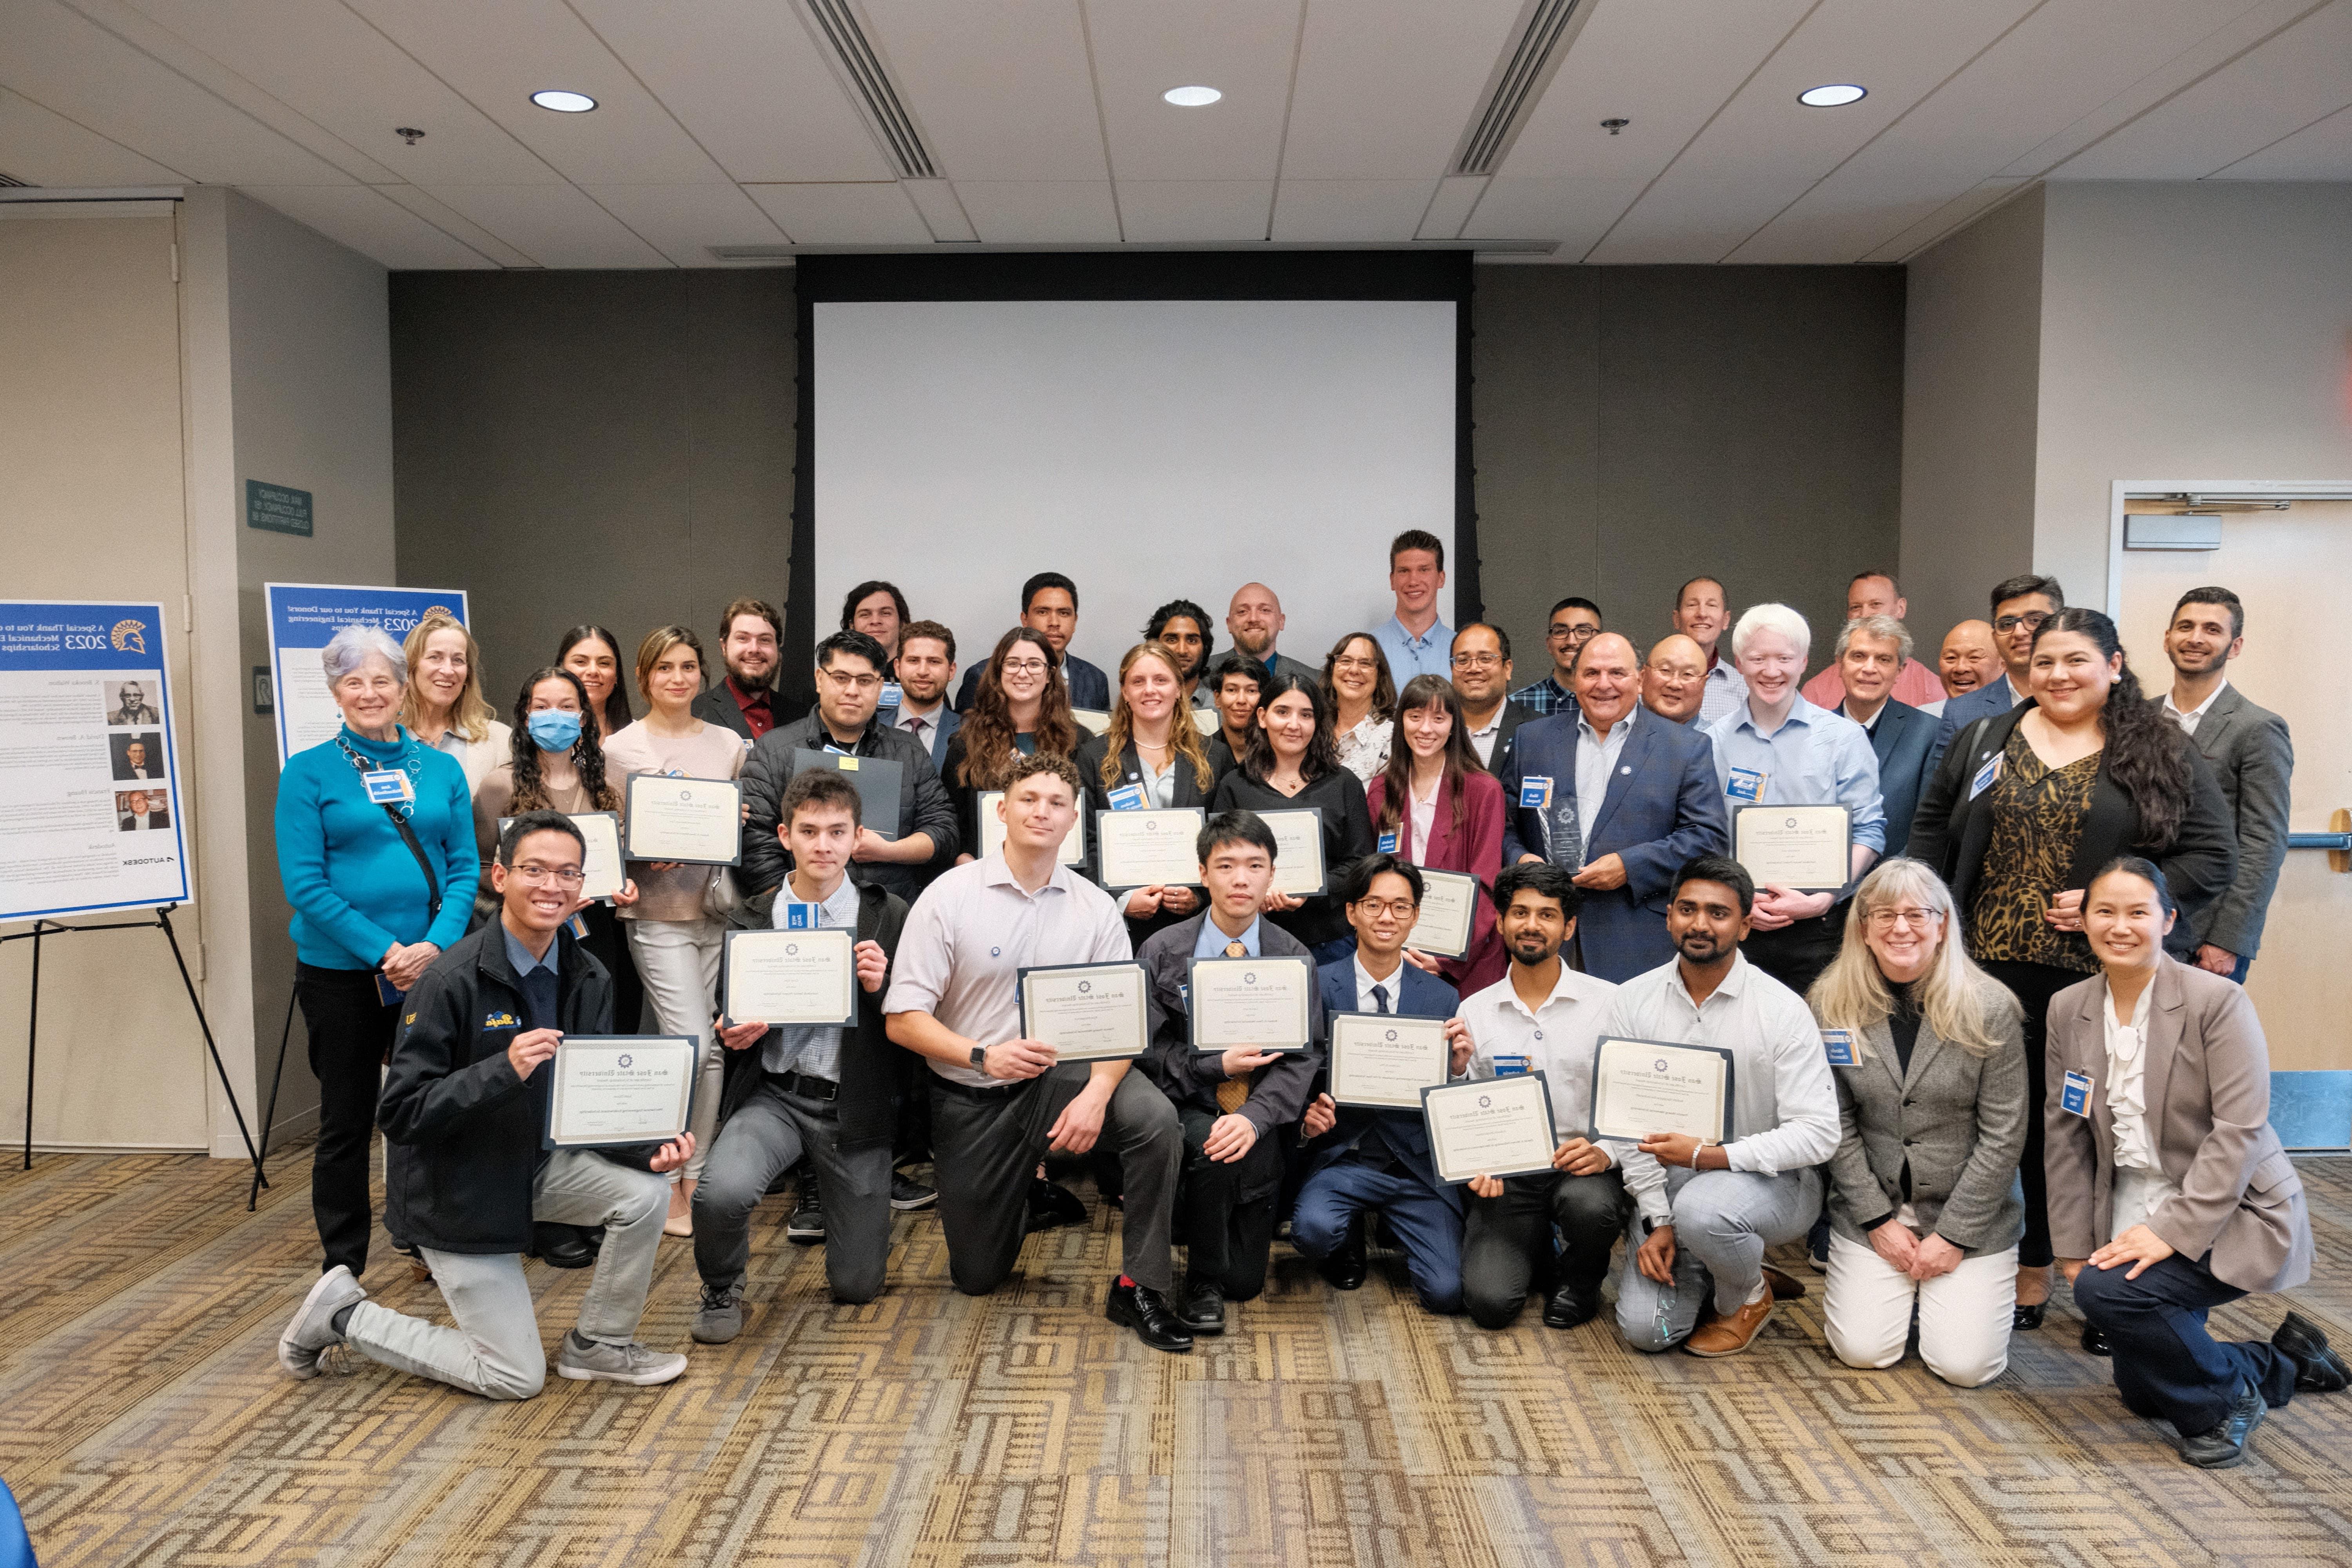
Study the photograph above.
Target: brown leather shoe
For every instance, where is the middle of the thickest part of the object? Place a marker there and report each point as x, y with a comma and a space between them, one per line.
1784, 1287
1731, 1335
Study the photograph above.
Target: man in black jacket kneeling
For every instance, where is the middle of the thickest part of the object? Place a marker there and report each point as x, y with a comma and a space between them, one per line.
467, 1106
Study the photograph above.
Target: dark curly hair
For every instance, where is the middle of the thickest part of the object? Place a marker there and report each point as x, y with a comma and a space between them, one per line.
2148, 756
587, 754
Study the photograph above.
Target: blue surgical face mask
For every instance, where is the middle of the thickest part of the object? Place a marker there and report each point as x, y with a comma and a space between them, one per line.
555, 728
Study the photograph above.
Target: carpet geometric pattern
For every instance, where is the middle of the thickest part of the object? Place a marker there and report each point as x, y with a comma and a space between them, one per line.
143, 1419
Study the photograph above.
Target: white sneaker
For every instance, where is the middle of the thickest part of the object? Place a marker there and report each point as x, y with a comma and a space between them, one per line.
312, 1332
594, 1361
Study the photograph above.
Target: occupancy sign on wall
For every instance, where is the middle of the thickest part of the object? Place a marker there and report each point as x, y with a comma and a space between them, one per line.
89, 779
278, 508
303, 617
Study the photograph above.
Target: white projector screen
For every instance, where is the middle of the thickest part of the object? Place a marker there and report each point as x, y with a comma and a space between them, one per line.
1152, 449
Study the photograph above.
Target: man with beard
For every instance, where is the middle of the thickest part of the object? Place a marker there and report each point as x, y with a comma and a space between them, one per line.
926, 664
1049, 606
750, 635
1544, 1018
2251, 755
1254, 619
1708, 1211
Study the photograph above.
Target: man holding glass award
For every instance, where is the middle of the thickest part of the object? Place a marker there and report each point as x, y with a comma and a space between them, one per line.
511, 1101
1015, 980
810, 1068
1716, 1072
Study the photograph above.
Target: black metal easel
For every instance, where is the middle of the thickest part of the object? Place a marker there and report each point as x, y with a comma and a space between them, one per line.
270, 1117
45, 928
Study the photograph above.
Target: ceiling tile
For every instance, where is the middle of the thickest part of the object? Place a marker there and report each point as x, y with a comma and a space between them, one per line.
1039, 212
455, 224
869, 212
1348, 211
2322, 151
1242, 47
555, 226
359, 216
1387, 88
1574, 211
1195, 211
1026, 113
683, 222
42, 147
1949, 219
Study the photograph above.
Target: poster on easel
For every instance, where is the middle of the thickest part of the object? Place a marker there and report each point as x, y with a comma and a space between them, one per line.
303, 617
90, 794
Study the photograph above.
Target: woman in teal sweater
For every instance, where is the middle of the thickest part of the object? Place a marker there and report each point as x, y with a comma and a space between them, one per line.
368, 918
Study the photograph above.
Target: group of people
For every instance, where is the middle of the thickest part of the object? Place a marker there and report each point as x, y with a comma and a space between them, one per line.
2011, 1040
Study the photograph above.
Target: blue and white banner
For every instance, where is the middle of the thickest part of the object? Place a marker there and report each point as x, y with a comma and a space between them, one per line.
303, 616
89, 778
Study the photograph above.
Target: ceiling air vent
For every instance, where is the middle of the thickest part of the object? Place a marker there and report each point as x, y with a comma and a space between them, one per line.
1518, 80
861, 68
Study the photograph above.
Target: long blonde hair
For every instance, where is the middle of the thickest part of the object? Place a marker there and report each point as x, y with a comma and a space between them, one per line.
1183, 734
1960, 1002
471, 714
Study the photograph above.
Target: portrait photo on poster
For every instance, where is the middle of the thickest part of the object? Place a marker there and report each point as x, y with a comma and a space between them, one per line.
131, 699
137, 755
139, 810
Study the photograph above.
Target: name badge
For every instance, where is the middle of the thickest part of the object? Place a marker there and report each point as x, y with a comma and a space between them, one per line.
1126, 797
1535, 793
579, 928
1986, 775
386, 991
1388, 842
2075, 1095
848, 763
388, 787
800, 917
1839, 1043
1509, 1066
1744, 783
893, 695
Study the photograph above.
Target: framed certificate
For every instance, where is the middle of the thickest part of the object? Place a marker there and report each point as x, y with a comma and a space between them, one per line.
1448, 902
1092, 720
1805, 848
880, 782
698, 822
1643, 1087
992, 830
1492, 1127
601, 831
1146, 849
1385, 1060
610, 1090
1087, 1012
1297, 850
790, 977
1251, 1004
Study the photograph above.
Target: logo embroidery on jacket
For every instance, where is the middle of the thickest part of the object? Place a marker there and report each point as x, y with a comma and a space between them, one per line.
502, 1021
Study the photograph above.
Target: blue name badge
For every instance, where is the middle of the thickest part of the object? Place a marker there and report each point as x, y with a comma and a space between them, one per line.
1839, 1043
2075, 1095
893, 695
579, 928
1535, 793
388, 787
1985, 776
1510, 1067
800, 917
1388, 842
1744, 783
1126, 797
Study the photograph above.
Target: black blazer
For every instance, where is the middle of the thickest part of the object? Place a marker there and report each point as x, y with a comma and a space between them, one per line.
1905, 740
718, 706
1096, 798
1347, 838
1952, 832
1513, 717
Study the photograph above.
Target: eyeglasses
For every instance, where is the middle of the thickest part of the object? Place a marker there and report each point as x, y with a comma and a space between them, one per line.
1348, 661
1477, 661
854, 682
1563, 633
561, 876
1403, 909
1888, 919
2032, 621
1025, 667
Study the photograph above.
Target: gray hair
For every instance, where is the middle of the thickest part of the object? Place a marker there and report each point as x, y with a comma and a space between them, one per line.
1771, 619
347, 651
1885, 627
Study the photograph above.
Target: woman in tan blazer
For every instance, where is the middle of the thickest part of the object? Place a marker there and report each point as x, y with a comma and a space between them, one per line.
2170, 1193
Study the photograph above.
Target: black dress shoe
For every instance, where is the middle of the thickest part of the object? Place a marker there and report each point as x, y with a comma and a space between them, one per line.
2317, 1369
2026, 1318
1146, 1310
2095, 1341
2225, 1446
1202, 1306
560, 1245
1349, 1267
1570, 1305
1052, 1204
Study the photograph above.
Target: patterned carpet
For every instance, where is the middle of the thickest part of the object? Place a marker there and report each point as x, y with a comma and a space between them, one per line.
143, 1420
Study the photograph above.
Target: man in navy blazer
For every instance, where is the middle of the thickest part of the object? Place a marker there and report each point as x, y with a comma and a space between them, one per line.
1872, 652
2019, 605
1049, 606
1365, 1162
1659, 804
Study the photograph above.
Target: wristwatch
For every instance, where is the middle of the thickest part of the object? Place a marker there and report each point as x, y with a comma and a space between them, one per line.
980, 1058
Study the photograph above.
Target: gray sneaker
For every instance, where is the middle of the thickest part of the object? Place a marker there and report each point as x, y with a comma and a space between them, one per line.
721, 1316
594, 1361
312, 1332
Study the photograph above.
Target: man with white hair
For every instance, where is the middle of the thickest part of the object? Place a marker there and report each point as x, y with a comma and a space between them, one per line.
1908, 741
1777, 749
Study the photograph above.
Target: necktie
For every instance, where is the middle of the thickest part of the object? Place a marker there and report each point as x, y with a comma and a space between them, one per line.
1381, 999
1233, 1090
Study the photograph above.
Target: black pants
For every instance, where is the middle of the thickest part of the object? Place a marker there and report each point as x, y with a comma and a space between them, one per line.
1796, 954
2033, 984
1228, 1209
350, 1031
610, 946
1506, 1241
2166, 1365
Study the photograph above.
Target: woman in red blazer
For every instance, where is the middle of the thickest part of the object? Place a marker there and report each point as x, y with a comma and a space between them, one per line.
1436, 807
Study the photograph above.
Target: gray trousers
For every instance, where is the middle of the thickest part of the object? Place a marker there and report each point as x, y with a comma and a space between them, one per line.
494, 1350
984, 1154
1723, 1222
768, 1135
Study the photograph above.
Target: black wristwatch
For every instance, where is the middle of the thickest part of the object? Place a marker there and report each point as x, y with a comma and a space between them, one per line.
980, 1058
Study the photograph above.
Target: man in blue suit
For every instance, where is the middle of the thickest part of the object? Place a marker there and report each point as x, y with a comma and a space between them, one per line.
1365, 1162
926, 664
1871, 651
2019, 605
1049, 606
1618, 798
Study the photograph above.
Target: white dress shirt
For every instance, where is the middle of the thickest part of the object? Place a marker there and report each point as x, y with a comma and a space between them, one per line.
2195, 716
2141, 1186
1424, 817
1394, 983
1558, 1038
1596, 759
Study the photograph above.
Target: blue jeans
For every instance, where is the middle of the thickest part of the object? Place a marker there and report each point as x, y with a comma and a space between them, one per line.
2166, 1363
1426, 1223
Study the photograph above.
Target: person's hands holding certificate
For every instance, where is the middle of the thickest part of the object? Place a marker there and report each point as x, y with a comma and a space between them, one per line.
1017, 1059
1241, 1061
1681, 1149
530, 1048
1231, 1136
1460, 1045
1577, 1156
740, 1036
1777, 906
1275, 903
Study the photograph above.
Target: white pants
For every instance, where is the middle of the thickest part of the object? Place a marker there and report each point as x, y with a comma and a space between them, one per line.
1964, 1316
678, 961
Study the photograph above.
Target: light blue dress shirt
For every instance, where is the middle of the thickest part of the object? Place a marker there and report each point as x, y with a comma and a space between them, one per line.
1596, 759
811, 1049
1431, 653
1210, 944
1815, 758
519, 956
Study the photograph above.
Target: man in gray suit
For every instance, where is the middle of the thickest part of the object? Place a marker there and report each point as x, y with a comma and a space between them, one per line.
2251, 755
1872, 653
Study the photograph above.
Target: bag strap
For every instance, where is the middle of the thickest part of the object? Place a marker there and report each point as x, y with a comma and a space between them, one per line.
407, 834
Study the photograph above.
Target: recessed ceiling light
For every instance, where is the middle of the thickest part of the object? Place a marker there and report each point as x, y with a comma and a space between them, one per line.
564, 102
1191, 97
1834, 95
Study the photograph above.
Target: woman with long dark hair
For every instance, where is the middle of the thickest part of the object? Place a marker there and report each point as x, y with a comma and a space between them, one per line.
1150, 759
593, 654
2026, 806
1289, 766
1436, 806
1020, 709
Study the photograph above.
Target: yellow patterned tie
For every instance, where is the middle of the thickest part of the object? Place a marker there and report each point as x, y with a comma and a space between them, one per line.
1233, 1090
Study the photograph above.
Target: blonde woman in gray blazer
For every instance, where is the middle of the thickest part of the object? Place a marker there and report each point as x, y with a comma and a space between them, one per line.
1926, 1208
2169, 1193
